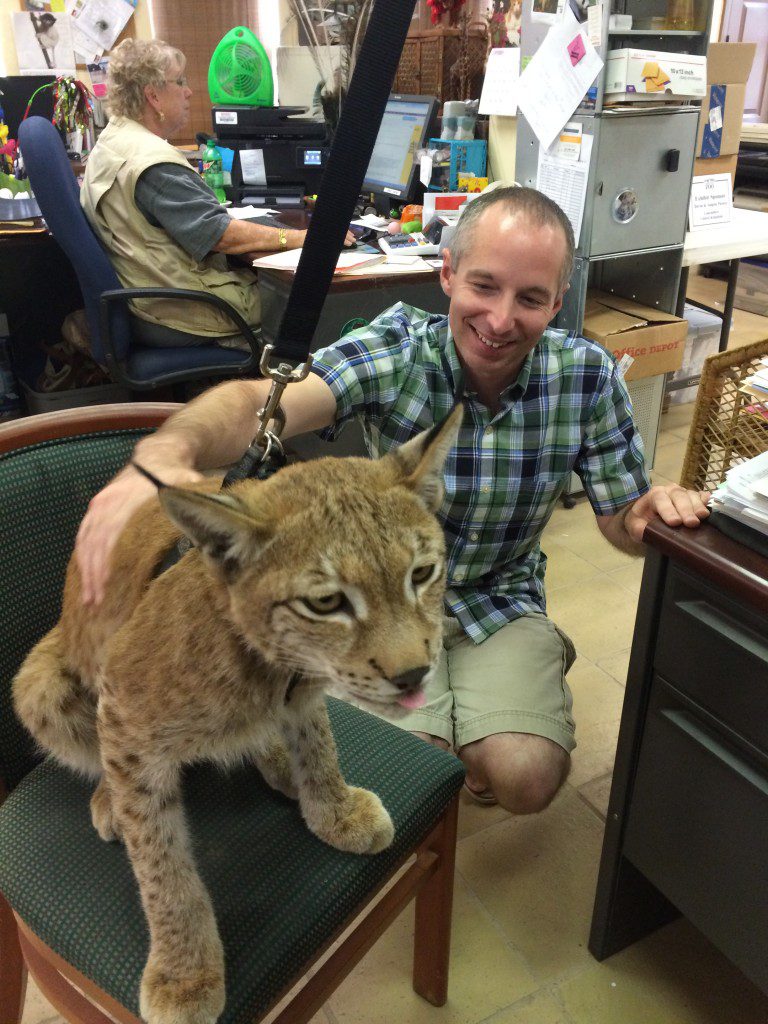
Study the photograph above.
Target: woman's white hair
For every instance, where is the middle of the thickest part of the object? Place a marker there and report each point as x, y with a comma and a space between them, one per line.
133, 65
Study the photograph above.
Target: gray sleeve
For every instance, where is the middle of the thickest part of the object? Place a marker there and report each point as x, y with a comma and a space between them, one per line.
176, 199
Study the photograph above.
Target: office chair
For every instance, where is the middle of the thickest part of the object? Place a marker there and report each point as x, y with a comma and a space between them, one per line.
69, 905
112, 327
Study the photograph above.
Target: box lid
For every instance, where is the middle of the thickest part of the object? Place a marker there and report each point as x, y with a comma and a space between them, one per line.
729, 63
609, 314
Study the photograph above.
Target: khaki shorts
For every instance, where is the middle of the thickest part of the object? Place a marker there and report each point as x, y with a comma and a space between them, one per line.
512, 682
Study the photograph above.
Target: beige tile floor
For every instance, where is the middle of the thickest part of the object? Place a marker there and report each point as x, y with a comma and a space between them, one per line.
524, 886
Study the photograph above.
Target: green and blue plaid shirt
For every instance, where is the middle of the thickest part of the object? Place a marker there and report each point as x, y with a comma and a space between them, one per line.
567, 411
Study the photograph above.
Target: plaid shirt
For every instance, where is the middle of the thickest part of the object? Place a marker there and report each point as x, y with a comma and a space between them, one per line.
567, 411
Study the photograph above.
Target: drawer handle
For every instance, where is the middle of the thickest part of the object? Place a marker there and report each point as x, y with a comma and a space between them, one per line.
726, 627
686, 723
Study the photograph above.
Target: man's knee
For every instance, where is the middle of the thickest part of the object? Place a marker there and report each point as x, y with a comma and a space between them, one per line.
524, 772
436, 741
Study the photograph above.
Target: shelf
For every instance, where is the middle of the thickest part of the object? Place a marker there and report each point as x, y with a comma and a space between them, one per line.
662, 33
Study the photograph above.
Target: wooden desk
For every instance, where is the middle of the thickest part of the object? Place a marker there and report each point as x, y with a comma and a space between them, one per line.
687, 825
746, 235
348, 298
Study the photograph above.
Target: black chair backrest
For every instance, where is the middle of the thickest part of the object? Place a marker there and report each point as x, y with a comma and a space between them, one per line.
57, 193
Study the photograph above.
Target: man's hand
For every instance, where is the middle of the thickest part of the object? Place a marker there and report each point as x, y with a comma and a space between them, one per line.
671, 503
108, 512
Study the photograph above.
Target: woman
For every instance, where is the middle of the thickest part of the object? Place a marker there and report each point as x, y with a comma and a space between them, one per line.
159, 221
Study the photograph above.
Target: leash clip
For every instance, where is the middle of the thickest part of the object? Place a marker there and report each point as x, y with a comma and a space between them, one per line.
281, 376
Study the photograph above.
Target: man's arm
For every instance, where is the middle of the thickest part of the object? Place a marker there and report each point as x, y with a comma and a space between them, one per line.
671, 503
242, 237
212, 431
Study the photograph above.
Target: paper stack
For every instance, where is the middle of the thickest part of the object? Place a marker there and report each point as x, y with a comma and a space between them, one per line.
744, 494
757, 384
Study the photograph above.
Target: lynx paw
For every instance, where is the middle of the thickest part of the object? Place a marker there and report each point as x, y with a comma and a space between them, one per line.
358, 824
102, 815
196, 998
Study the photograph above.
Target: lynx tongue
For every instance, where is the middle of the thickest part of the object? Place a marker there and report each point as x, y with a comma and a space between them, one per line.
413, 700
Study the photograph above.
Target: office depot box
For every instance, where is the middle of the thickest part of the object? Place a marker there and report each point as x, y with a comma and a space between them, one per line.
722, 109
655, 340
720, 165
654, 75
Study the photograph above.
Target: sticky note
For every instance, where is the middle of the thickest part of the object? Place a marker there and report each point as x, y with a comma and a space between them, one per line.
576, 49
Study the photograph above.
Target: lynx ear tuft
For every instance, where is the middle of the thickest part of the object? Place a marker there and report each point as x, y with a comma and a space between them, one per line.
422, 459
218, 525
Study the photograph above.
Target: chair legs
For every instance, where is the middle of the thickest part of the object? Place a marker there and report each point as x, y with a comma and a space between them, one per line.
434, 903
13, 971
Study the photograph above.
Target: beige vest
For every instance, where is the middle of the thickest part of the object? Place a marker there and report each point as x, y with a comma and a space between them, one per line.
144, 256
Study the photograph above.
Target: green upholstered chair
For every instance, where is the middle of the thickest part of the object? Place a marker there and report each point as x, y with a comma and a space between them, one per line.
71, 913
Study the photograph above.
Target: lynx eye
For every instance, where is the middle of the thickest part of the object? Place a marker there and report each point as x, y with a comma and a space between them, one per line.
327, 604
422, 573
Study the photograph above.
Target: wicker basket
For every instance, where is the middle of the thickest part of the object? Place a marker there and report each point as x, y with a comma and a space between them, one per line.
729, 426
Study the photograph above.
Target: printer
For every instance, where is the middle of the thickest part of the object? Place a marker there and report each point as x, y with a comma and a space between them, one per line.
278, 157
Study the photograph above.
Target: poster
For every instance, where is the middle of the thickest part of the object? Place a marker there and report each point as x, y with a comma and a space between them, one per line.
43, 43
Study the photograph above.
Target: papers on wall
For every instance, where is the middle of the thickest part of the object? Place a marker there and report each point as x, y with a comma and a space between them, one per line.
711, 201
552, 86
744, 493
550, 11
564, 179
100, 21
501, 73
43, 43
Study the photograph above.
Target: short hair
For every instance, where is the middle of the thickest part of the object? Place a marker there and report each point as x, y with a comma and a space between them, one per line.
517, 201
133, 65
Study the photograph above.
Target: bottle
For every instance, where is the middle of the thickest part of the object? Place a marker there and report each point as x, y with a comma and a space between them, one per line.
213, 171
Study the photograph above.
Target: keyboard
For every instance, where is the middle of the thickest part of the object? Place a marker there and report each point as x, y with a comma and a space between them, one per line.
415, 244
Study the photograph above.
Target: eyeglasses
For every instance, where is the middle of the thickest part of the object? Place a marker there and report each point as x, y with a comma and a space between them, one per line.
181, 82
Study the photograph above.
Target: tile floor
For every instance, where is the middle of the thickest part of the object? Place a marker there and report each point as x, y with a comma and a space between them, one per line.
524, 886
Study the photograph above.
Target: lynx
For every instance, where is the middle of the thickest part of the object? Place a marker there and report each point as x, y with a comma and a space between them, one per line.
329, 574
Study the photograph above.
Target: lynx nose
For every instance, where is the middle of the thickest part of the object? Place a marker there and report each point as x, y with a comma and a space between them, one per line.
410, 680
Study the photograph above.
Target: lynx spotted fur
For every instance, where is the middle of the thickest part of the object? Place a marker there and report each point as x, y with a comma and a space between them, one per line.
331, 573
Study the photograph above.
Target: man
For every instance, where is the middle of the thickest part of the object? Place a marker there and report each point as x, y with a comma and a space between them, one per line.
539, 404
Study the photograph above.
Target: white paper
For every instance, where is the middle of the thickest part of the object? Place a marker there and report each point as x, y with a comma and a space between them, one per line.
425, 169
715, 118
550, 11
288, 259
564, 181
551, 88
245, 212
252, 167
711, 201
101, 20
567, 146
43, 46
501, 73
595, 23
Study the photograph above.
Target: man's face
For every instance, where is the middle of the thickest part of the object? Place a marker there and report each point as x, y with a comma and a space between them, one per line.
503, 294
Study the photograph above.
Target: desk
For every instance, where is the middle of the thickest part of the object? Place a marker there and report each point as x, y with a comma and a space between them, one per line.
349, 297
687, 824
746, 235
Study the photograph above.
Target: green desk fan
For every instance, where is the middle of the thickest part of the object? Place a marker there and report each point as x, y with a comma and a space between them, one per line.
240, 71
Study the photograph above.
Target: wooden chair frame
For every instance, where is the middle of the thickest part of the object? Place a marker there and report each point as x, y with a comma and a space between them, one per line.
428, 877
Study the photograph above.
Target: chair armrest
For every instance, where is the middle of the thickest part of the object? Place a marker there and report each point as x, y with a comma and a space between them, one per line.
111, 301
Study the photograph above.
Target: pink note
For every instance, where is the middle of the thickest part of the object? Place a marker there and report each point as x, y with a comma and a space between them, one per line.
576, 49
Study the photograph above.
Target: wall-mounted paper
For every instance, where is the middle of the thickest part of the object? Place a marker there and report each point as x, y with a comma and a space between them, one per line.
551, 87
43, 43
101, 20
565, 181
501, 74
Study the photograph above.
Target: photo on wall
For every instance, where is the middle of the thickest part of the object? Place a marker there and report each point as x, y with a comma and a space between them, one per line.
43, 43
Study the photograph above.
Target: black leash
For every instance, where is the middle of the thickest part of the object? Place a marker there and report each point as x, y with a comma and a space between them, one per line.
348, 161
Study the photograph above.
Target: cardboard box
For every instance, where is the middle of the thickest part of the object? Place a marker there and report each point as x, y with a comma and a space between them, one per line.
654, 75
655, 340
722, 109
720, 165
752, 287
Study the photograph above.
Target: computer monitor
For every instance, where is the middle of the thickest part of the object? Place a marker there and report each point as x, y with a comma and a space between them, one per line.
17, 91
407, 125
